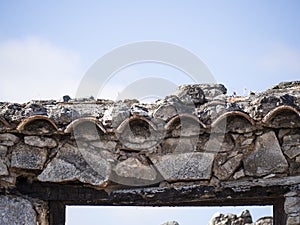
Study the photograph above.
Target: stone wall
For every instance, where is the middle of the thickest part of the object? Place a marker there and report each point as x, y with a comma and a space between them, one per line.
196, 147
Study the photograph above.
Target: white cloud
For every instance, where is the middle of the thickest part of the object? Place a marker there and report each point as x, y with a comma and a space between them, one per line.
34, 68
280, 58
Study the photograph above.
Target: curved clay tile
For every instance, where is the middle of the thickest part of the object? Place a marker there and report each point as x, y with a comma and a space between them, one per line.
23, 126
79, 121
138, 133
5, 123
268, 119
173, 120
233, 113
234, 121
124, 124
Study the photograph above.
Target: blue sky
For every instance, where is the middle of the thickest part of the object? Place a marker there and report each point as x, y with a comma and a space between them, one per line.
47, 46
246, 44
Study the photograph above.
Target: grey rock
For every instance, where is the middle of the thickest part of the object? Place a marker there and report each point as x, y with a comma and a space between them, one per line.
222, 219
8, 138
170, 223
191, 94
258, 162
291, 145
16, 211
293, 220
184, 166
3, 151
134, 168
102, 144
179, 145
139, 135
63, 115
219, 143
213, 90
243, 219
292, 204
268, 220
73, 164
3, 168
239, 174
186, 127
247, 142
117, 113
139, 109
28, 157
165, 112
225, 170
59, 170
40, 141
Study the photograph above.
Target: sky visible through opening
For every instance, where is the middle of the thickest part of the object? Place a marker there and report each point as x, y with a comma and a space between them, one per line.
125, 215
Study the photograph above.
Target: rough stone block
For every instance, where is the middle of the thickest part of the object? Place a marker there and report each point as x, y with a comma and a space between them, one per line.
184, 166
28, 157
133, 168
9, 137
16, 211
3, 168
225, 170
3, 151
258, 162
71, 164
293, 220
292, 205
291, 145
179, 145
40, 141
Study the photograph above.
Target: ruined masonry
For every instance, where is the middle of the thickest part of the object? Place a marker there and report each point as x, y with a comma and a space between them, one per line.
198, 147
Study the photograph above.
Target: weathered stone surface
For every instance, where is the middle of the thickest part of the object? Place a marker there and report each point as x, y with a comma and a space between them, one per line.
293, 220
59, 170
186, 127
219, 143
225, 170
222, 219
165, 112
213, 90
179, 145
264, 221
138, 135
134, 168
258, 162
117, 113
292, 204
102, 144
243, 219
291, 145
191, 94
9, 137
40, 141
16, 211
3, 151
28, 157
71, 164
3, 168
185, 166
170, 223
239, 174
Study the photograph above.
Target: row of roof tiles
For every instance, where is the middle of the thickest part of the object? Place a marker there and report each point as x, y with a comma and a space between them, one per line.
284, 110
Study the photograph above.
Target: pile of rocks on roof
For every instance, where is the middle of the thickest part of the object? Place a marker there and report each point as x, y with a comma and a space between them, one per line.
244, 218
